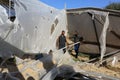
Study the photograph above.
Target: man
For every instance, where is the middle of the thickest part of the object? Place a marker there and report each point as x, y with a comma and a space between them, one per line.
77, 38
62, 41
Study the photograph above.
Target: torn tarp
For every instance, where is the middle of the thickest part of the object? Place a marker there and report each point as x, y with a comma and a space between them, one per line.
36, 28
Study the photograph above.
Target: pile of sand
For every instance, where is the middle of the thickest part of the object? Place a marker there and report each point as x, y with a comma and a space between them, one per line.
107, 70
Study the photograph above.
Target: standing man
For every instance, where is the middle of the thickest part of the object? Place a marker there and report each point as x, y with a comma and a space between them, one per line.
77, 38
62, 41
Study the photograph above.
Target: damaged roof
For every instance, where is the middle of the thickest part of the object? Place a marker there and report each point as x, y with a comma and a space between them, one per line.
112, 12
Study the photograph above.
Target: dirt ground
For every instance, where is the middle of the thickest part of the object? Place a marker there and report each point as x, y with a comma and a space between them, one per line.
34, 67
107, 70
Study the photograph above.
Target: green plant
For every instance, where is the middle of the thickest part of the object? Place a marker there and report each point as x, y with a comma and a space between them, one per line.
114, 6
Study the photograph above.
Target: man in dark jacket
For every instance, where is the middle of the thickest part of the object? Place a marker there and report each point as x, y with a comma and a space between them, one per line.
62, 41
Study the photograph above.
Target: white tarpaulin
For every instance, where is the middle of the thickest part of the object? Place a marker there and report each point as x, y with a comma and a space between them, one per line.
5, 28
36, 28
103, 37
3, 15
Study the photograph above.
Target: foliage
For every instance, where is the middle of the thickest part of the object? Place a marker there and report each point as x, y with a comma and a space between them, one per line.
114, 6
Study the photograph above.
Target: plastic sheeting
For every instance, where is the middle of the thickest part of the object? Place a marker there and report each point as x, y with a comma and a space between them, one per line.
61, 59
103, 36
36, 28
102, 39
88, 30
36, 21
5, 28
3, 15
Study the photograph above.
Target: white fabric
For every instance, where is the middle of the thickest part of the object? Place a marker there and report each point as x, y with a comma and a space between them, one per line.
3, 15
31, 31
5, 28
102, 39
32, 27
103, 36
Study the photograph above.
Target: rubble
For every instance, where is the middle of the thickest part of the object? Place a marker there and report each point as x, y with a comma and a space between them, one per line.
31, 39
45, 68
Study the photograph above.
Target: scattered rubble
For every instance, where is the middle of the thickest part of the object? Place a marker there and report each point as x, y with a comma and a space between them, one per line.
67, 70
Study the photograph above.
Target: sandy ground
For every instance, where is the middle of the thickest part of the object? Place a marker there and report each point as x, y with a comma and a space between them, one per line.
36, 68
110, 71
107, 69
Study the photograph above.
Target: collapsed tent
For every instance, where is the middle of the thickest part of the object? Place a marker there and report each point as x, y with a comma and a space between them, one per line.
35, 29
5, 28
99, 29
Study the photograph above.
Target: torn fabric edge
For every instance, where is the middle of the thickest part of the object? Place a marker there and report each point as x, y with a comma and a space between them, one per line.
103, 36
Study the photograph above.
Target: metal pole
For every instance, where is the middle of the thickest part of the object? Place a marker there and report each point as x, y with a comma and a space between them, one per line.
9, 14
